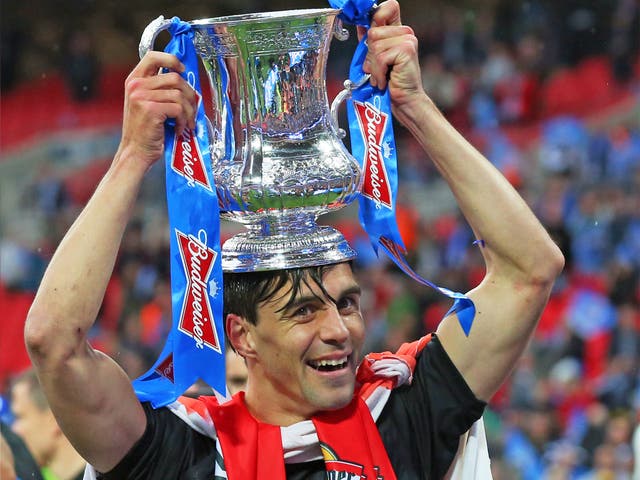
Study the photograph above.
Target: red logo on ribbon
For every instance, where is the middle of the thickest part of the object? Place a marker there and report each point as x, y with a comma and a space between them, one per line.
196, 317
165, 368
373, 123
187, 159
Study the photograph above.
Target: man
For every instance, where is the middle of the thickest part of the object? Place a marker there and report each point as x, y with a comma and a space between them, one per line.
36, 425
300, 331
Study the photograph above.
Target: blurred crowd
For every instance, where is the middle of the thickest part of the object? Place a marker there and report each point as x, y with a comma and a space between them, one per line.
537, 87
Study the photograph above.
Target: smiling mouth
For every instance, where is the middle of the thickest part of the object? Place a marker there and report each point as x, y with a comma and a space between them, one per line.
329, 365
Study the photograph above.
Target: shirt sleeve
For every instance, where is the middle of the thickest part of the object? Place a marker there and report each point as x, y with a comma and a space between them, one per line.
168, 449
422, 423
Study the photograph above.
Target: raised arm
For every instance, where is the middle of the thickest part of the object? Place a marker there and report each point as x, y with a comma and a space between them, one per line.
522, 261
90, 395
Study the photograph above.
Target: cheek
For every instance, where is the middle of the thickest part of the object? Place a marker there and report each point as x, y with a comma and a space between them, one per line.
280, 346
356, 328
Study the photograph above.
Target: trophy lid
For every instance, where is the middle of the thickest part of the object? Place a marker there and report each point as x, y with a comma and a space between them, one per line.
253, 18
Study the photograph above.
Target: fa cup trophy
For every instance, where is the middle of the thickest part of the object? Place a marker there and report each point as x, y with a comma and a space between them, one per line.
278, 160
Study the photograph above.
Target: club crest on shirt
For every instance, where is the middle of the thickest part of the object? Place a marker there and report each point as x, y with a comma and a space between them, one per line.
338, 469
196, 317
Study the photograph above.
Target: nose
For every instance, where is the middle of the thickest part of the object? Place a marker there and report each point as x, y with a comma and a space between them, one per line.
333, 329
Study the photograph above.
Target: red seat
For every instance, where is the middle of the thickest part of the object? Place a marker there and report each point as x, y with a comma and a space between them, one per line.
561, 94
596, 81
13, 353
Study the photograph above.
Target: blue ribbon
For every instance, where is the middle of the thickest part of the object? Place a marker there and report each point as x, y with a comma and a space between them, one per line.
373, 144
195, 346
355, 12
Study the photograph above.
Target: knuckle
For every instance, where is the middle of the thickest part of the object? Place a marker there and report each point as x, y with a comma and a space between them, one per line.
176, 96
175, 111
174, 78
133, 86
129, 81
136, 96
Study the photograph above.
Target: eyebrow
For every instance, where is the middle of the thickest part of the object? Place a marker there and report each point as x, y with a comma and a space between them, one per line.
354, 289
297, 302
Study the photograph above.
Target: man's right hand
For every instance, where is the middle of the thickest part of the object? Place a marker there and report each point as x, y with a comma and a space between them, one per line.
392, 59
151, 98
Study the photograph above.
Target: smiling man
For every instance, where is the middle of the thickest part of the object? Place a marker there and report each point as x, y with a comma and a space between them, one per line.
312, 408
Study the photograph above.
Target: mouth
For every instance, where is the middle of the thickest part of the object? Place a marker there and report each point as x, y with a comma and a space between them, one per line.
330, 365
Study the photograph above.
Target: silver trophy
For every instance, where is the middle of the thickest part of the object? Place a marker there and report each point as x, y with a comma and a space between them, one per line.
278, 158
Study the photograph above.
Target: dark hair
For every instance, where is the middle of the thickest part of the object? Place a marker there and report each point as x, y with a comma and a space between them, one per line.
244, 292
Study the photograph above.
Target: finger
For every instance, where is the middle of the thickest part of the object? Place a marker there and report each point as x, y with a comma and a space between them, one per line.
376, 34
397, 60
163, 88
176, 107
388, 45
173, 80
153, 61
161, 107
154, 106
387, 13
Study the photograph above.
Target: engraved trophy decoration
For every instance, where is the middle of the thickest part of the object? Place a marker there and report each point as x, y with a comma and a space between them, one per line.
277, 157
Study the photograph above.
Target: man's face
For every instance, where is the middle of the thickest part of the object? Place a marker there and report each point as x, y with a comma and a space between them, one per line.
306, 355
35, 426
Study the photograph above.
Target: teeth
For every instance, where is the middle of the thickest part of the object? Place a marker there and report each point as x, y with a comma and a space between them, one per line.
329, 363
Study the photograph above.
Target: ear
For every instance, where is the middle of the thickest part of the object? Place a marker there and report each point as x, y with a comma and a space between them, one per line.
239, 334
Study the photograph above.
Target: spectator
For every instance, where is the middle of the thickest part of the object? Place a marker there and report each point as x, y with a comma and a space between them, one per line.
16, 462
236, 372
35, 423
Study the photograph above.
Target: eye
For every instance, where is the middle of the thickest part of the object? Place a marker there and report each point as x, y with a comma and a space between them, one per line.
349, 304
304, 312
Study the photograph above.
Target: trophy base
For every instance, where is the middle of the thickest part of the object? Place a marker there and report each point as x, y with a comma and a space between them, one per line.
252, 252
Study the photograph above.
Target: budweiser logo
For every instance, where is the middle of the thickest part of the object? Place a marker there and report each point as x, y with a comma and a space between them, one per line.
196, 317
165, 368
373, 123
187, 158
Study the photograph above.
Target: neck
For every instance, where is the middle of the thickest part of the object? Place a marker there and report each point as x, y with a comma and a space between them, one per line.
66, 463
270, 412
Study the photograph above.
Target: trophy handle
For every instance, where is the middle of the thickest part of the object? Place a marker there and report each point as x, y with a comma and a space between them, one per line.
339, 31
150, 33
345, 94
